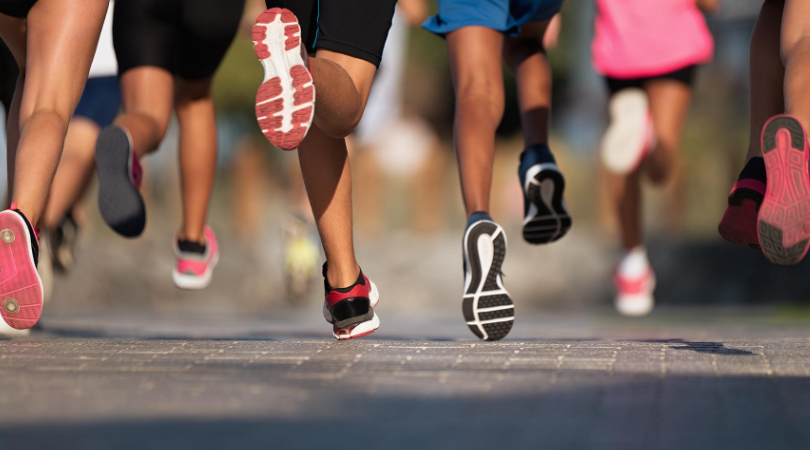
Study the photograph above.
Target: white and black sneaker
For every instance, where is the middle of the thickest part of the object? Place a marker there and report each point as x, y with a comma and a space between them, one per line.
546, 217
487, 307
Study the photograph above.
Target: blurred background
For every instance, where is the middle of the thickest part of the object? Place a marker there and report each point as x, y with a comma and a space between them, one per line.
408, 210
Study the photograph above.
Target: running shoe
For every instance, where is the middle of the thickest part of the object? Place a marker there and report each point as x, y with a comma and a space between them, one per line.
546, 217
350, 310
739, 224
285, 102
119, 182
6, 332
195, 262
784, 217
64, 240
635, 283
630, 137
486, 305
20, 286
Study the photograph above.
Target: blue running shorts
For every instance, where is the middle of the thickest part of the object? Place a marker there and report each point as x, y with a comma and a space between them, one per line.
506, 16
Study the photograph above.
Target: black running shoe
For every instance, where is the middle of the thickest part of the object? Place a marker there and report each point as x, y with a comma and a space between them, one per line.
119, 183
63, 242
487, 307
546, 216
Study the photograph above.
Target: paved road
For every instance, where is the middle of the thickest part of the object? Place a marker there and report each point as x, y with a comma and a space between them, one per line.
679, 380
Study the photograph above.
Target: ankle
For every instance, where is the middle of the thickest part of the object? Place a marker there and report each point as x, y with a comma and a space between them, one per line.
342, 275
191, 236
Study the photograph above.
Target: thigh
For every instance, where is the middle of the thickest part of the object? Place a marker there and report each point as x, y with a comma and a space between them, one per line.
795, 24
357, 28
669, 106
61, 41
307, 12
207, 29
145, 33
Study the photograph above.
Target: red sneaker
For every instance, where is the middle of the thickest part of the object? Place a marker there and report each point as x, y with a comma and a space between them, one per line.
351, 310
784, 217
285, 102
739, 224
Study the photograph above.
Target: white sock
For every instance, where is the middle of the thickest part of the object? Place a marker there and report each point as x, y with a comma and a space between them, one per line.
634, 263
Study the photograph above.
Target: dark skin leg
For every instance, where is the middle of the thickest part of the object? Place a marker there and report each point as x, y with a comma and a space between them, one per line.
475, 64
795, 52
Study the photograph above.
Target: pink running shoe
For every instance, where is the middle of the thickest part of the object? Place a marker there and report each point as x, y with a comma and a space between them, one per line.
20, 286
784, 217
195, 262
635, 283
286, 100
739, 224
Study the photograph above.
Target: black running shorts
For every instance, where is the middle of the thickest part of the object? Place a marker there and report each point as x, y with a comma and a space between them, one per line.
685, 76
16, 8
356, 28
188, 38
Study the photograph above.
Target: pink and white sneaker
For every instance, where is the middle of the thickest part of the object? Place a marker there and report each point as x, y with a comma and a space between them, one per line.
195, 262
351, 310
635, 283
285, 102
630, 136
21, 294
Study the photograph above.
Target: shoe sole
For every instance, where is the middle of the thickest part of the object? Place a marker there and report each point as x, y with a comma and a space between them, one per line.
784, 217
486, 305
739, 223
119, 200
21, 295
285, 102
547, 219
624, 145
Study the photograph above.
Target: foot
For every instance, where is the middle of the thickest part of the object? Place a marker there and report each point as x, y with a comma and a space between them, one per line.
784, 217
350, 310
285, 102
195, 261
119, 183
546, 216
486, 305
739, 224
20, 286
629, 137
64, 239
635, 282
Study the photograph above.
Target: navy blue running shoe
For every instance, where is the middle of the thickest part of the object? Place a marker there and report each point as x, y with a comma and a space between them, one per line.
546, 216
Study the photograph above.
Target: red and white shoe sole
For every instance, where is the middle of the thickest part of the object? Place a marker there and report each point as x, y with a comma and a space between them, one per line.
784, 217
627, 140
20, 285
285, 102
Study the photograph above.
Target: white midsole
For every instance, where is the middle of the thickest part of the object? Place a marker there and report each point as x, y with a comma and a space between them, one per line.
486, 251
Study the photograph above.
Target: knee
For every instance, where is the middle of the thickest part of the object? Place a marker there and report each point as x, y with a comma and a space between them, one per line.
481, 93
53, 118
517, 50
193, 91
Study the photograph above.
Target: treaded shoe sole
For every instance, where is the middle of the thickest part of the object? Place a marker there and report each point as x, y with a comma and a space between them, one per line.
119, 200
285, 102
784, 217
486, 305
739, 223
21, 293
624, 144
547, 219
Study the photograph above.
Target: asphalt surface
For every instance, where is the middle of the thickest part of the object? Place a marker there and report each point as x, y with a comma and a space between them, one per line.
696, 379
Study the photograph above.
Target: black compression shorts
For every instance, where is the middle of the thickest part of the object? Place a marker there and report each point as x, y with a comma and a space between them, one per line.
188, 38
685, 76
16, 8
357, 28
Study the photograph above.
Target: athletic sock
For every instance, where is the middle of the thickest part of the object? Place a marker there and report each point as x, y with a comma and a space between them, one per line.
191, 247
754, 170
535, 154
478, 215
360, 280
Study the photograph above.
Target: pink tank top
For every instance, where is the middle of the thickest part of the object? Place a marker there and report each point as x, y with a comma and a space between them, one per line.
644, 38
